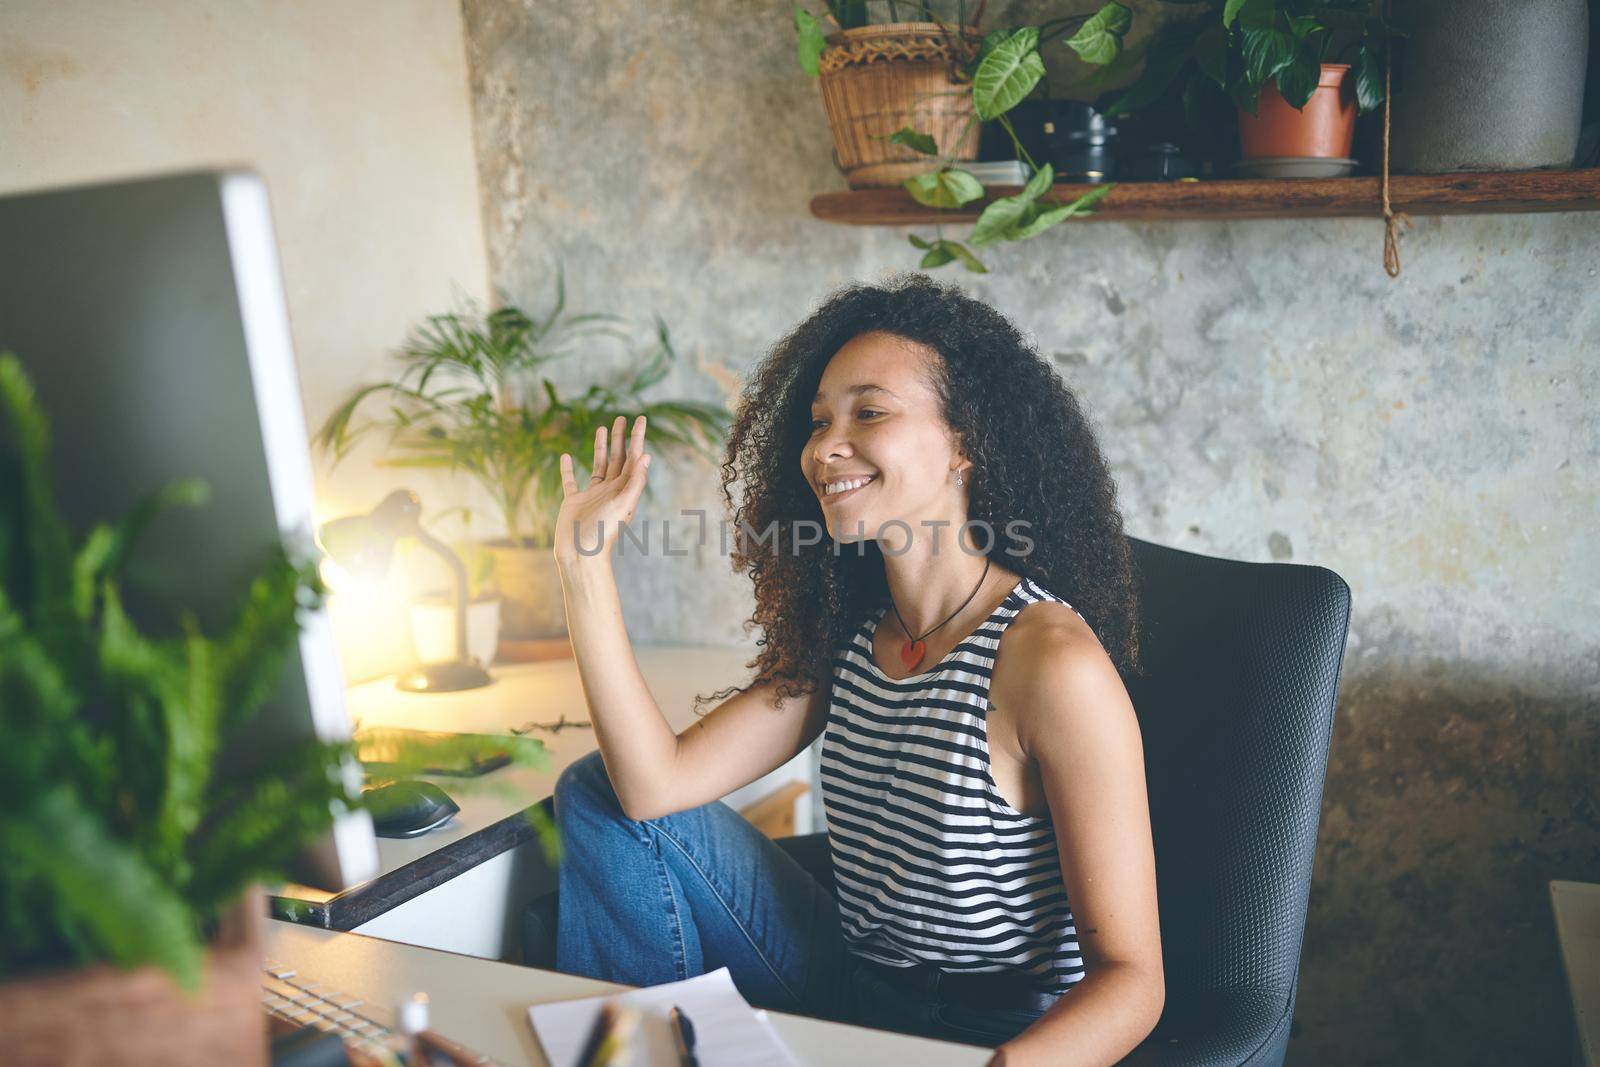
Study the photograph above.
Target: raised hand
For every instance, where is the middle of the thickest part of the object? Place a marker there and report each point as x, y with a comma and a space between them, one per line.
591, 518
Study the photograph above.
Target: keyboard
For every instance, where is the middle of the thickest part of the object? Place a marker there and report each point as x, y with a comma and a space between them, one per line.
367, 1029
294, 999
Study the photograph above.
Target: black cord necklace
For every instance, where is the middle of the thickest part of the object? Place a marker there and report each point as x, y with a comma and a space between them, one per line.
914, 649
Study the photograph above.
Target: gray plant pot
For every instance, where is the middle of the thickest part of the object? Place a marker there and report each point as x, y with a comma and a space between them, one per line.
1490, 85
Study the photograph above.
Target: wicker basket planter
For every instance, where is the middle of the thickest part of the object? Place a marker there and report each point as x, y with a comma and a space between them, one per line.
108, 1017
876, 79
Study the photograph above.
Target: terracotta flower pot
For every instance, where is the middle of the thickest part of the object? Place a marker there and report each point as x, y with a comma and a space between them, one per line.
109, 1017
1324, 128
876, 79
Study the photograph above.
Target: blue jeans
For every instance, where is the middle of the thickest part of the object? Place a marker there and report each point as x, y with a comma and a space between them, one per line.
645, 902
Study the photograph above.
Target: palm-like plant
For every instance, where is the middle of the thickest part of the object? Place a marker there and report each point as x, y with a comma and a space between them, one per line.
471, 395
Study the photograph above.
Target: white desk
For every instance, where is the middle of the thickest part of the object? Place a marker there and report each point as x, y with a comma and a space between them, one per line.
1577, 912
484, 1004
461, 887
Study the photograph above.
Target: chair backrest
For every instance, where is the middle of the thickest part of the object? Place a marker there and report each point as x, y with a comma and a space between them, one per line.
1241, 669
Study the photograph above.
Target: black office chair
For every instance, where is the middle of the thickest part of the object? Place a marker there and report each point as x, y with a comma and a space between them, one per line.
1236, 707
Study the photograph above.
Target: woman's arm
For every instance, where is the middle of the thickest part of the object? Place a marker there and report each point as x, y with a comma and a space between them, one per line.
635, 741
654, 771
1076, 722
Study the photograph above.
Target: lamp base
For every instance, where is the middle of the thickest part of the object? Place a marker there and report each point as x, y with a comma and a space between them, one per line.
446, 677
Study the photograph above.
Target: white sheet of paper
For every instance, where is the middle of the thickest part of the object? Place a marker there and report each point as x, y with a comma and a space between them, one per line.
728, 1032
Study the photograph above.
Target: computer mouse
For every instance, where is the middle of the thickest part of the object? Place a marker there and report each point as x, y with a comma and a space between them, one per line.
408, 808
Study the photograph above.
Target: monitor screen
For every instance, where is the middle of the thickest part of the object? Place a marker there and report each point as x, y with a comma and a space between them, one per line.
151, 318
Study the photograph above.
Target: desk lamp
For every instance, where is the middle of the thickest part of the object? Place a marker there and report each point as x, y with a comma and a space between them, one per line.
364, 546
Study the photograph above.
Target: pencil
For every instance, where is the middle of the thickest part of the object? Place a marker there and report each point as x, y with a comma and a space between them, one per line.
608, 1044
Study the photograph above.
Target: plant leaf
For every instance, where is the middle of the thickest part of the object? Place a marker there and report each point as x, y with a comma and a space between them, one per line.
1042, 221
41, 580
942, 252
812, 42
1061, 212
917, 142
1297, 80
968, 260
1122, 67
1001, 219
252, 648
659, 365
1033, 219
945, 187
120, 910
1007, 74
1266, 52
1369, 80
991, 41
1099, 39
1230, 12
1040, 183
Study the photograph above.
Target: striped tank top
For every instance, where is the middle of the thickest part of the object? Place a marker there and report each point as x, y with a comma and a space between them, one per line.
932, 866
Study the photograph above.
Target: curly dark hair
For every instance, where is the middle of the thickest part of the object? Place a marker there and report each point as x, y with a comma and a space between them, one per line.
1034, 459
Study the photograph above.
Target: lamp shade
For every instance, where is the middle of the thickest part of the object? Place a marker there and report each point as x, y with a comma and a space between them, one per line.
363, 545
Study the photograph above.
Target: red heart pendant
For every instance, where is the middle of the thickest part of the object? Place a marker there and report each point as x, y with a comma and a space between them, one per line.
911, 654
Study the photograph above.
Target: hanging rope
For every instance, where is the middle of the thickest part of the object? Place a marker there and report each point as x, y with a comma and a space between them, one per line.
1391, 218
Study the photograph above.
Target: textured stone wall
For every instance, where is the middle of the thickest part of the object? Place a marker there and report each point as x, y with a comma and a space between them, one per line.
1264, 391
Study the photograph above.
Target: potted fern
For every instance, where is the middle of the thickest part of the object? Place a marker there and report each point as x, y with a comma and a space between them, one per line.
472, 394
129, 912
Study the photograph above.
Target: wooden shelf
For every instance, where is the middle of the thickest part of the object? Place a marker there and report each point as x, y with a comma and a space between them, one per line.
1416, 194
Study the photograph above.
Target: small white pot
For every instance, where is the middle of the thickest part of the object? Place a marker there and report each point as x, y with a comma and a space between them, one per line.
433, 627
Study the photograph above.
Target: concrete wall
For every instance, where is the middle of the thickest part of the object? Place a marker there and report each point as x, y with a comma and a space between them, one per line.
1264, 391
357, 116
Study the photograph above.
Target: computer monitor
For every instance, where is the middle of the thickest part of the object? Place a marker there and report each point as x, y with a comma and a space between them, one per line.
150, 316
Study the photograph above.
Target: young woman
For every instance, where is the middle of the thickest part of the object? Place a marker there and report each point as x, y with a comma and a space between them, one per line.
983, 775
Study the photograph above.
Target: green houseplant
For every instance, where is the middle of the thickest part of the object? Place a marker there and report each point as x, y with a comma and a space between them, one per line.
1237, 53
130, 861
999, 72
472, 394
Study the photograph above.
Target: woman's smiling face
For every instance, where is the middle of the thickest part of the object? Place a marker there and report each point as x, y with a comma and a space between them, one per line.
879, 441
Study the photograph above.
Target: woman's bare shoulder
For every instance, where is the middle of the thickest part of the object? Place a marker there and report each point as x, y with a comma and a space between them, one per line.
1043, 632
1050, 664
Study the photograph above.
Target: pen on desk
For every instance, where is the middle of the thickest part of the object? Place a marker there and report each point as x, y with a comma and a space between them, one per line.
683, 1032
